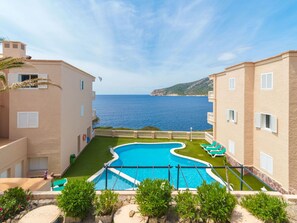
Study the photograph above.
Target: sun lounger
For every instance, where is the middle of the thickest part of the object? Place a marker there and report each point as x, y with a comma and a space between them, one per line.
206, 145
209, 148
59, 185
215, 153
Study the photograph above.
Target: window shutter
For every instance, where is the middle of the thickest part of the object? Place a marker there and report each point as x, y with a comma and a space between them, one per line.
228, 115
231, 147
22, 118
32, 119
235, 116
44, 76
82, 110
257, 120
269, 81
273, 122
13, 78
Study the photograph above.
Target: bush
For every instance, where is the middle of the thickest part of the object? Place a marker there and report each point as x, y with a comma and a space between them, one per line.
13, 201
76, 199
215, 202
106, 203
154, 197
187, 206
265, 207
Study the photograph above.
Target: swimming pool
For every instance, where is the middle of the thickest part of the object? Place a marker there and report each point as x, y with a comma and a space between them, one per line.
151, 154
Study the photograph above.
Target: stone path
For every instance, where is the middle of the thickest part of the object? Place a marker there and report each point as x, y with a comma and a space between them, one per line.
241, 215
44, 214
122, 215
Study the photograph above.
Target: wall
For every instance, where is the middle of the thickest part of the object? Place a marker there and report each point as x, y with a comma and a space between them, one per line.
273, 102
43, 141
4, 114
72, 124
13, 153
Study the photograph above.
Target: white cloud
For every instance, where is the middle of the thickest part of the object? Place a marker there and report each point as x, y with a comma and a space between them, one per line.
227, 56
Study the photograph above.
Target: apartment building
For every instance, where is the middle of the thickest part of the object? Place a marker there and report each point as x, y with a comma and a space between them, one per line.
40, 127
254, 117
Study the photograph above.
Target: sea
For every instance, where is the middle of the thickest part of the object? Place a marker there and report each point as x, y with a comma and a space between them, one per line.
168, 113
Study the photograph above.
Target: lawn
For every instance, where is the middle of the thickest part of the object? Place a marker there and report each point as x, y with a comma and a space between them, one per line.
97, 153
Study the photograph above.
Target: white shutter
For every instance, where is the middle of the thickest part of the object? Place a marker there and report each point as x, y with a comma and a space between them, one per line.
18, 170
44, 76
269, 81
263, 81
82, 110
231, 147
266, 162
258, 120
228, 115
235, 116
273, 124
22, 120
32, 119
13, 78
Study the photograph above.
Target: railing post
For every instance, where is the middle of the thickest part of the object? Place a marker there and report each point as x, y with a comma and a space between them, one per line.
106, 177
241, 177
169, 174
177, 183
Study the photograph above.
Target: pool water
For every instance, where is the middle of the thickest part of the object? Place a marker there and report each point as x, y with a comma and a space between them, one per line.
152, 154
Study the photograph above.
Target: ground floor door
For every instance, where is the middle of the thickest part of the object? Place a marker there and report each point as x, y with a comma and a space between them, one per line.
19, 170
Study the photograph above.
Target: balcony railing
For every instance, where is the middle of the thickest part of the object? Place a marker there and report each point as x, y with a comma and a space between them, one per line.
94, 116
210, 118
93, 95
211, 96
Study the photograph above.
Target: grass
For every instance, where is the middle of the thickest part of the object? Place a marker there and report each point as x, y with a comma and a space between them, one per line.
97, 153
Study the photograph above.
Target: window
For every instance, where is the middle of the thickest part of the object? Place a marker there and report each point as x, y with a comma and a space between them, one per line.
18, 170
25, 77
22, 46
266, 162
231, 116
15, 45
231, 147
27, 119
6, 45
40, 163
82, 110
266, 121
4, 174
82, 84
231, 83
267, 81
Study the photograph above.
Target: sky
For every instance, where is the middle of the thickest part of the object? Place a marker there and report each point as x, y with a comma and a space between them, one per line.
137, 46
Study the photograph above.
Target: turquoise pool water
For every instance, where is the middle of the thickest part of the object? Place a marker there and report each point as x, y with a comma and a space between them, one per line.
148, 154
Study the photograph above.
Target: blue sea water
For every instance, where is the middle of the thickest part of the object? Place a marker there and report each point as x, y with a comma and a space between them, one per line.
167, 113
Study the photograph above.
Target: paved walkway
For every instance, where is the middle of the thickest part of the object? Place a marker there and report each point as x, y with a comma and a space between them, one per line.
241, 215
44, 214
122, 215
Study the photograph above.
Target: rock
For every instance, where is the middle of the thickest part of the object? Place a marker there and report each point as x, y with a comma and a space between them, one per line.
122, 215
131, 213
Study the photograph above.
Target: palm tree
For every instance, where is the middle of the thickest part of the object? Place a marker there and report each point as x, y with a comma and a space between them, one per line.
8, 63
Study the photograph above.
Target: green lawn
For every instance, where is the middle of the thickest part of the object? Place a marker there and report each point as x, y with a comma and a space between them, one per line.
97, 153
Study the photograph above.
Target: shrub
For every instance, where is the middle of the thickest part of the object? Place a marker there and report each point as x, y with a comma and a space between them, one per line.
265, 207
187, 206
106, 203
154, 197
76, 199
215, 202
13, 201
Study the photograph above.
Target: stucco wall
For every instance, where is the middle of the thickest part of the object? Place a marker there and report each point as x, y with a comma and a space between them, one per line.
4, 114
274, 102
13, 153
293, 123
43, 141
72, 124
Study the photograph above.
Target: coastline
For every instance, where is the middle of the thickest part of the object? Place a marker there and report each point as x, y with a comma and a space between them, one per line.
177, 95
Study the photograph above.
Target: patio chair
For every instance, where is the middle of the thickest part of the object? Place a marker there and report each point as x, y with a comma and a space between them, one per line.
215, 153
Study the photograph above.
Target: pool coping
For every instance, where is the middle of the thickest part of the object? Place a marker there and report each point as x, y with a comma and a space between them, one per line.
132, 180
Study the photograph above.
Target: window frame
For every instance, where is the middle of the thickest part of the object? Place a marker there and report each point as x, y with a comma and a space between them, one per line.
30, 74
234, 116
261, 81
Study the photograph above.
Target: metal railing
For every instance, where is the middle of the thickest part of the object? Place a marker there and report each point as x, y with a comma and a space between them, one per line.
211, 95
175, 178
210, 118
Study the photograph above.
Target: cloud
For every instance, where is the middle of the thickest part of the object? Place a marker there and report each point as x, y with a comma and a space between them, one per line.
226, 56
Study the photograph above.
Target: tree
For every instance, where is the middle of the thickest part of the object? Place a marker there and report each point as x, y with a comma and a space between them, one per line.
8, 63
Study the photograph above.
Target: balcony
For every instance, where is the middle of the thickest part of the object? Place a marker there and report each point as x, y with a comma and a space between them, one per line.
211, 96
94, 116
210, 118
93, 95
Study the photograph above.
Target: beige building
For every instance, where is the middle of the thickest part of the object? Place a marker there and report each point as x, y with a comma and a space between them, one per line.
40, 127
254, 117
